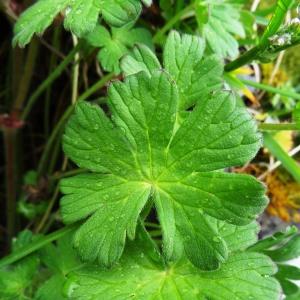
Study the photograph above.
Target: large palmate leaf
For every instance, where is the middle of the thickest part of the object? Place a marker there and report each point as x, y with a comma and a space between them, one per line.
143, 152
141, 276
81, 16
219, 24
116, 43
183, 59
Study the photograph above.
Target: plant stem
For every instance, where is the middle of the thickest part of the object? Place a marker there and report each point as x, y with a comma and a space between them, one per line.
277, 19
69, 173
271, 89
98, 85
48, 211
75, 76
58, 70
278, 127
53, 136
242, 60
52, 64
27, 75
35, 245
159, 34
288, 162
11, 180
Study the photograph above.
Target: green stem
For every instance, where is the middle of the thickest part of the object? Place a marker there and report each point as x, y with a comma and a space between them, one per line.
98, 85
277, 19
288, 162
35, 245
11, 181
75, 76
278, 127
58, 70
69, 173
27, 75
48, 148
52, 138
159, 34
242, 60
48, 211
271, 89
53, 63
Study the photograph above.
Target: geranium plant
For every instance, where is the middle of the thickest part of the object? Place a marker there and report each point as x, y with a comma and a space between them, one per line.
153, 209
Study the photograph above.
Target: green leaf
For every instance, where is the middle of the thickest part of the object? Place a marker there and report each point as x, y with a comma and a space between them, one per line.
285, 275
114, 45
274, 240
288, 251
243, 276
183, 59
51, 289
120, 12
60, 260
16, 281
296, 114
144, 151
81, 16
282, 247
219, 26
237, 237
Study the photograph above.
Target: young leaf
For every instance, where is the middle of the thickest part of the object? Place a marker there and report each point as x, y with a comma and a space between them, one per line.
81, 16
243, 276
219, 26
16, 281
60, 261
282, 247
144, 151
183, 60
114, 45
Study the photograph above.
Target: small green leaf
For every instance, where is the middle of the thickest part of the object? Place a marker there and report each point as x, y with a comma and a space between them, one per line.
286, 252
120, 12
51, 288
285, 275
16, 281
219, 26
81, 16
60, 260
115, 45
